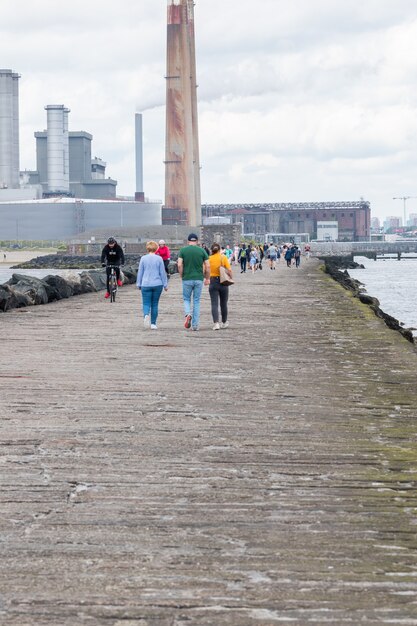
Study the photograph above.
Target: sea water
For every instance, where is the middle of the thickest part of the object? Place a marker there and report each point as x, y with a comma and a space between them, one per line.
394, 283
7, 272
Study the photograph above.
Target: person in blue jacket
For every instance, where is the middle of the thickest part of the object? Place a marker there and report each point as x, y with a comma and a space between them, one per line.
151, 280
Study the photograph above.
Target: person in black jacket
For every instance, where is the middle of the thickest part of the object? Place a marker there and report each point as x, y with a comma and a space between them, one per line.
112, 254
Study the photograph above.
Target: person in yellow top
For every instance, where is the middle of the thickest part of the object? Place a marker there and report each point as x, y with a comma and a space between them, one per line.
217, 291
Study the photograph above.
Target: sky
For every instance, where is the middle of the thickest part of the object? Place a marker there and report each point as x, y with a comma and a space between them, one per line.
298, 101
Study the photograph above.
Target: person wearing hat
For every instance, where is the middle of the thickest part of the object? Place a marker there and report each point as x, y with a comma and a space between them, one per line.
194, 269
165, 254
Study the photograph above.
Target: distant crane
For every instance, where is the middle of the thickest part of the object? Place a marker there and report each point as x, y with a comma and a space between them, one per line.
404, 199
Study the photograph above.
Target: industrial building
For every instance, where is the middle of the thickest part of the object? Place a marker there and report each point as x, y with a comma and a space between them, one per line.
353, 219
62, 217
63, 161
9, 129
68, 193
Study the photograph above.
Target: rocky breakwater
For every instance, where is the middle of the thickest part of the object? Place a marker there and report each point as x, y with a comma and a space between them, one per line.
337, 268
22, 290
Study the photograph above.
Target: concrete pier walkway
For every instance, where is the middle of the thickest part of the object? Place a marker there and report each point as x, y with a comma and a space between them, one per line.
261, 474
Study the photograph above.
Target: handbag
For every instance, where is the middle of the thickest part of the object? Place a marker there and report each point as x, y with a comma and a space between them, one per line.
224, 277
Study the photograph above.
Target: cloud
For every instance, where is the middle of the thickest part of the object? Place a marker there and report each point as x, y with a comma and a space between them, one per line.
305, 100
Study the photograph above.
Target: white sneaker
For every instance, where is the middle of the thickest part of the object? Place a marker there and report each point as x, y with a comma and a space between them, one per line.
224, 325
154, 327
216, 326
146, 321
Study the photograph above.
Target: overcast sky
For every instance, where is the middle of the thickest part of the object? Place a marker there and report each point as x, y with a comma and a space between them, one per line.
307, 100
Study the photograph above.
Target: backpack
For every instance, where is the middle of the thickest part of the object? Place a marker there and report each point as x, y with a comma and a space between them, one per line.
243, 254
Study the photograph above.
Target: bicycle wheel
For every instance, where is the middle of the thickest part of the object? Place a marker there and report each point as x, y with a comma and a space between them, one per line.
113, 288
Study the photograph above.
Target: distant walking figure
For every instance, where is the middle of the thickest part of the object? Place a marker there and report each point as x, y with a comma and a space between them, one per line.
253, 261
288, 256
297, 256
272, 255
242, 257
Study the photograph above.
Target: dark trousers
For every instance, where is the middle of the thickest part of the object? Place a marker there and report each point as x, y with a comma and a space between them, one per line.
218, 292
166, 265
243, 264
108, 272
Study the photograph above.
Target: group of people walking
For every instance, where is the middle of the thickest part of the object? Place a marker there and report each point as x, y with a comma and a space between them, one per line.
196, 268
255, 256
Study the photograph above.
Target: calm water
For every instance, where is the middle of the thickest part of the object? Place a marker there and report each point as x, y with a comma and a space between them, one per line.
6, 273
394, 283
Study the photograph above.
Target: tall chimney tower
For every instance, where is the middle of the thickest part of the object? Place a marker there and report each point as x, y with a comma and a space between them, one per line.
9, 129
139, 193
182, 162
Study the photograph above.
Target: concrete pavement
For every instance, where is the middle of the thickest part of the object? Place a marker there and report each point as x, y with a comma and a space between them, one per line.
260, 474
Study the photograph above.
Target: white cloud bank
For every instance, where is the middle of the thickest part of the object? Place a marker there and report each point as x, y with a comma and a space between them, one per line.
308, 100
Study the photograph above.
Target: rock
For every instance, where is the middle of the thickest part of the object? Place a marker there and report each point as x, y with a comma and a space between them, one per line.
13, 299
373, 302
98, 278
172, 267
5, 296
87, 283
333, 267
61, 288
74, 280
32, 287
22, 290
130, 274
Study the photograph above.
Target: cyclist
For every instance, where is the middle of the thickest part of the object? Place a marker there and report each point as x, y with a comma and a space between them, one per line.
112, 254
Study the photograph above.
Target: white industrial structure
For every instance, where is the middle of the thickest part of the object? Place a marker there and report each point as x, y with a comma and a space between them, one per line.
9, 129
69, 192
57, 148
139, 193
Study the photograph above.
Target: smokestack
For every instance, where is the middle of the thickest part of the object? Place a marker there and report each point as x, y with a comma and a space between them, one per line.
182, 165
57, 148
9, 129
139, 194
66, 149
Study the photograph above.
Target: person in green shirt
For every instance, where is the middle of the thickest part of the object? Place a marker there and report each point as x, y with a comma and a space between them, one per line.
194, 269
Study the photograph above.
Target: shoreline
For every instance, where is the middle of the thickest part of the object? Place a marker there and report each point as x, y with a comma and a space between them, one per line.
336, 268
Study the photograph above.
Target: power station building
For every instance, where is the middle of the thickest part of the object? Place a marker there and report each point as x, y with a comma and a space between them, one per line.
69, 192
9, 129
62, 217
85, 178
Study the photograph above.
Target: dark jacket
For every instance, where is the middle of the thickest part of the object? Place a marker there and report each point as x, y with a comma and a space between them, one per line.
112, 256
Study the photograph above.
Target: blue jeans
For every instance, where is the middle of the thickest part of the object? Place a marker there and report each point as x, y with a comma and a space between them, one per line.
194, 287
150, 300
